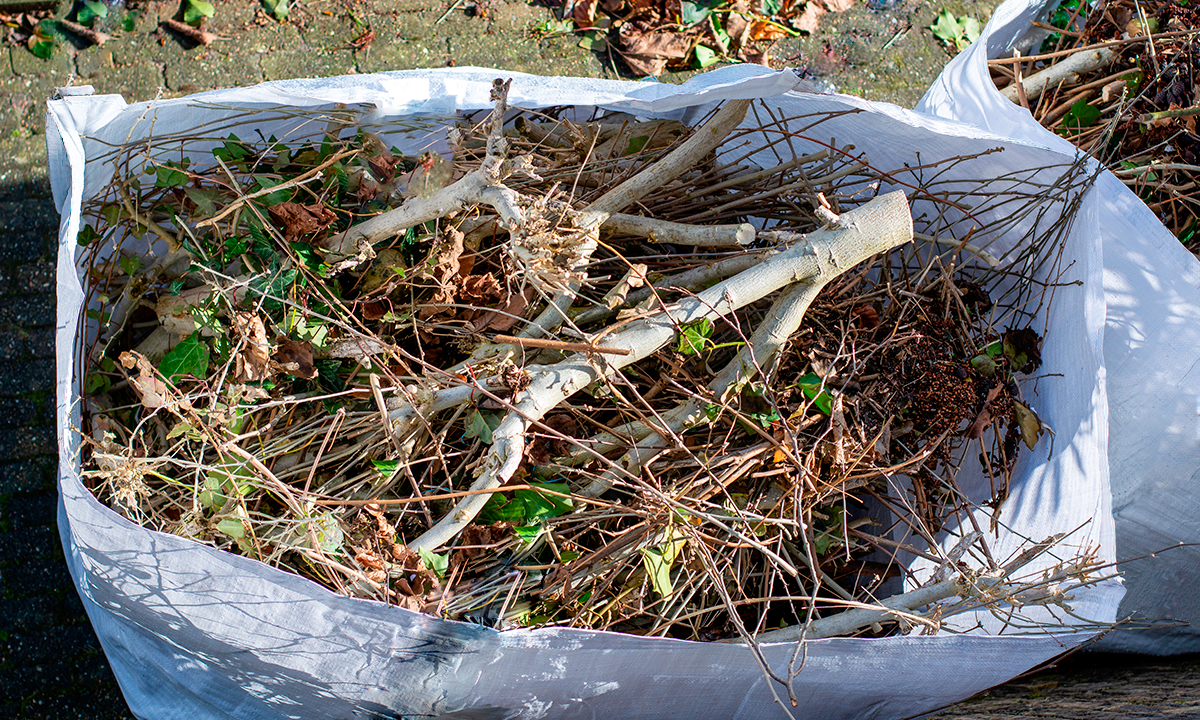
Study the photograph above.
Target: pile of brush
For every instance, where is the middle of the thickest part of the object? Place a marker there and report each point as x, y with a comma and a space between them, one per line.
578, 369
1118, 79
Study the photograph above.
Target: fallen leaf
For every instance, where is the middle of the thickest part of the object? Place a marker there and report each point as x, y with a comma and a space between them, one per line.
504, 318
253, 361
647, 52
299, 220
296, 358
1030, 424
446, 270
984, 419
809, 20
584, 14
153, 392
837, 5
383, 166
1024, 348
763, 30
481, 290
545, 448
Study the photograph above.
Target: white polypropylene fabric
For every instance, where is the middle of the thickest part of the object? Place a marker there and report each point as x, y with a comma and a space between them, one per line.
195, 633
1151, 350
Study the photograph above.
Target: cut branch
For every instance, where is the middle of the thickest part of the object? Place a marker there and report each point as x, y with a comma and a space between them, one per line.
880, 225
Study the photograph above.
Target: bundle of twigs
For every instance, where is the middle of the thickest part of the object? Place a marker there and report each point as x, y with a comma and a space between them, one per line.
587, 371
1118, 79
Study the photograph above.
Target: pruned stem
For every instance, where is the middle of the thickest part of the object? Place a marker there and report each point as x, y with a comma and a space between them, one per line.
880, 225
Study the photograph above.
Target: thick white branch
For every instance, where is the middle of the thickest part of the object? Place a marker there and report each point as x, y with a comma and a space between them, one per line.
880, 225
664, 231
1068, 70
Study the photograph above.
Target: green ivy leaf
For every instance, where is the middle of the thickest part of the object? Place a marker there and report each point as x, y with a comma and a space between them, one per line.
706, 57
637, 144
233, 527
480, 425
386, 468
810, 385
694, 335
42, 48
196, 10
169, 175
1080, 115
87, 235
189, 357
540, 506
658, 560
273, 198
277, 9
439, 563
90, 11
692, 13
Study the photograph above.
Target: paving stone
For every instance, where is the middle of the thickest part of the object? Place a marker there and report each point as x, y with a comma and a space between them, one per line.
59, 65
40, 343
28, 511
41, 543
21, 101
286, 65
105, 702
27, 310
330, 33
36, 646
31, 612
30, 475
13, 342
24, 377
37, 577
29, 442
15, 412
135, 82
33, 278
270, 38
214, 69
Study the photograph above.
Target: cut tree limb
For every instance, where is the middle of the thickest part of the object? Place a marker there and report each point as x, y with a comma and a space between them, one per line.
1068, 70
880, 225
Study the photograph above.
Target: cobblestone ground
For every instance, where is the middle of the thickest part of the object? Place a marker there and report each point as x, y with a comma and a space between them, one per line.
51, 666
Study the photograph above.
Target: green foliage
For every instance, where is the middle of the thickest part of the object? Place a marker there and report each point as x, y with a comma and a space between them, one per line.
90, 11
439, 563
273, 198
637, 144
277, 9
41, 43
810, 385
481, 425
87, 235
697, 11
658, 560
529, 507
194, 11
189, 357
956, 32
169, 174
232, 150
1061, 18
694, 336
1080, 115
706, 57
554, 27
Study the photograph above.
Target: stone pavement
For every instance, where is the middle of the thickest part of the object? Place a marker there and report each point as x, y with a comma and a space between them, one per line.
51, 666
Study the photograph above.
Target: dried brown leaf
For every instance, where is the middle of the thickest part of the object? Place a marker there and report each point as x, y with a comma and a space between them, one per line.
299, 220
648, 52
296, 358
253, 361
